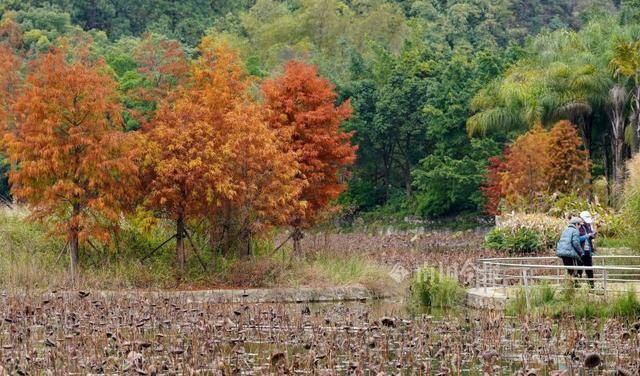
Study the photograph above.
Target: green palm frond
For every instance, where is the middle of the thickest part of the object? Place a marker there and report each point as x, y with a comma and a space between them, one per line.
497, 118
626, 58
572, 110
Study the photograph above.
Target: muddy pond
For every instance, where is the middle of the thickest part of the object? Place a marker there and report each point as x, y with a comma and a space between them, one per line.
81, 333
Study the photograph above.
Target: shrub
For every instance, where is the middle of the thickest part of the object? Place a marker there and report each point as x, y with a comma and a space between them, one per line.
524, 240
496, 239
432, 289
519, 232
520, 240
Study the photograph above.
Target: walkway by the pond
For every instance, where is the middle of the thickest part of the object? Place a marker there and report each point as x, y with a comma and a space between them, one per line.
499, 279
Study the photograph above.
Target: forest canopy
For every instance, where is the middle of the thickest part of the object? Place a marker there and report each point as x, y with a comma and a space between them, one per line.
436, 88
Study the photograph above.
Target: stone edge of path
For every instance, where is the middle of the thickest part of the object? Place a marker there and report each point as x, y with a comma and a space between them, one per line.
485, 298
355, 292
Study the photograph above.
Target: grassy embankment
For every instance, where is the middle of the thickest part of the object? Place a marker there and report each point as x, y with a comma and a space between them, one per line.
31, 259
581, 303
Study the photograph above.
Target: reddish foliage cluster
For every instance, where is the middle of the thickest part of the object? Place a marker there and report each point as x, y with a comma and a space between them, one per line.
537, 164
9, 65
10, 33
569, 165
301, 108
525, 176
214, 156
492, 188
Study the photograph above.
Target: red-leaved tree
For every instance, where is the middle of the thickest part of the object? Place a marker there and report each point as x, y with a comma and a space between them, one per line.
164, 66
300, 106
538, 164
492, 188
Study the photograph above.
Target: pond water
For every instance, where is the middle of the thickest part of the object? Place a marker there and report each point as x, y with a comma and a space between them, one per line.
79, 335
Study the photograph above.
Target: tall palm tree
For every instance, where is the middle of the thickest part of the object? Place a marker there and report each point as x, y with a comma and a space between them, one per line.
619, 97
563, 77
626, 63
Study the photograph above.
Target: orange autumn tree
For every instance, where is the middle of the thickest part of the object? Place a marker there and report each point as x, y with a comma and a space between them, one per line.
184, 160
262, 174
265, 191
524, 179
213, 155
569, 167
68, 154
9, 65
537, 165
300, 106
10, 32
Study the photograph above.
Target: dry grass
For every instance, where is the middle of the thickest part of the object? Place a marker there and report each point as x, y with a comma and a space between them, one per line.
330, 259
31, 260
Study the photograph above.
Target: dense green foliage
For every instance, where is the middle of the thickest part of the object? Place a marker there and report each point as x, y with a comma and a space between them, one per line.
431, 289
414, 71
523, 240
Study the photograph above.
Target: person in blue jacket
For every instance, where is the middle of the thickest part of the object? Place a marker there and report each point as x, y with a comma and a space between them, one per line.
569, 248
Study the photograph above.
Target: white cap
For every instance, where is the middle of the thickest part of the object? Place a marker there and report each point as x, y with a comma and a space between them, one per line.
586, 216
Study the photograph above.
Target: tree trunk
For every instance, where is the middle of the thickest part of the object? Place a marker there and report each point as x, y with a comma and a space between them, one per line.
406, 174
226, 238
214, 239
297, 237
180, 251
406, 170
245, 244
217, 232
73, 253
618, 104
618, 165
74, 243
585, 126
386, 175
607, 168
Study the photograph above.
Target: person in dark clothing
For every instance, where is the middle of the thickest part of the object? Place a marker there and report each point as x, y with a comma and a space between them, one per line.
569, 261
587, 234
568, 248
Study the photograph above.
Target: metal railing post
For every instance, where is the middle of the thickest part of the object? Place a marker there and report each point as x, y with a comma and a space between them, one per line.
604, 282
